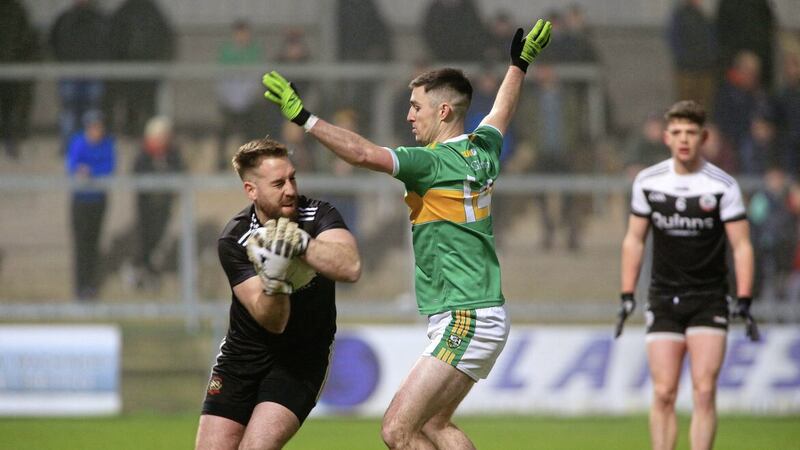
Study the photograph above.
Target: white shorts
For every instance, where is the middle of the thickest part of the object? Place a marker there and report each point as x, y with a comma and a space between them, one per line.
468, 339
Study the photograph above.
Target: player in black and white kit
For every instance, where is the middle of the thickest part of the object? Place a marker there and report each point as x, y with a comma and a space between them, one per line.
274, 359
691, 206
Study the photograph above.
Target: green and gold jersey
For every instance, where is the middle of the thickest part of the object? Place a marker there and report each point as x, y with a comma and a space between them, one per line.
449, 191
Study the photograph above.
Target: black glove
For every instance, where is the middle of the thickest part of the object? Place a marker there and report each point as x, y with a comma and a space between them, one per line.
626, 307
742, 310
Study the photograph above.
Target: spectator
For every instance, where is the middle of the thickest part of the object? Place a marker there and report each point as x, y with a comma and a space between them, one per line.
580, 43
788, 114
90, 155
774, 230
363, 36
158, 155
18, 43
486, 85
747, 25
694, 52
294, 50
759, 149
139, 33
79, 34
738, 99
239, 96
300, 152
500, 32
645, 147
347, 204
718, 151
454, 31
554, 155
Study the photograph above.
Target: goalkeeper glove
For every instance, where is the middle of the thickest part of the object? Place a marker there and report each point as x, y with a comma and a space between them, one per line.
283, 93
272, 257
299, 238
524, 51
742, 310
628, 304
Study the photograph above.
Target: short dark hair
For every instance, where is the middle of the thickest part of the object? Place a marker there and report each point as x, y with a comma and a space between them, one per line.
447, 78
687, 110
249, 155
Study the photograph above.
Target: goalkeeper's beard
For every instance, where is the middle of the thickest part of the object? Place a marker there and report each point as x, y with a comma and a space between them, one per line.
290, 212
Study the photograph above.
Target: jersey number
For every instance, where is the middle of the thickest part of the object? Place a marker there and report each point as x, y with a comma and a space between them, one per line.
475, 209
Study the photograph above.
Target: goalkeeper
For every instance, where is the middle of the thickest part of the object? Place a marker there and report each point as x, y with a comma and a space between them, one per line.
273, 361
449, 180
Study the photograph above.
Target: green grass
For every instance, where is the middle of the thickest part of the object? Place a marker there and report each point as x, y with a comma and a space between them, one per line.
176, 431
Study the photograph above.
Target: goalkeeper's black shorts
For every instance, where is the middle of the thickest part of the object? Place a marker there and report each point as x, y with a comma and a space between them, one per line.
294, 381
675, 314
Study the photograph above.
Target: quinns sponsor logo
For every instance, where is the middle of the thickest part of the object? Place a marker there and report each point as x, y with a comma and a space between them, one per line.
679, 225
708, 202
657, 197
215, 385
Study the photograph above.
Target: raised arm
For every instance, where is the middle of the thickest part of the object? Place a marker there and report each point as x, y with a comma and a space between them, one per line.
523, 52
349, 146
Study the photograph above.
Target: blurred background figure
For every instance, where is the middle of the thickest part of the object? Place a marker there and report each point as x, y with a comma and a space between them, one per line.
238, 95
555, 155
759, 149
347, 204
18, 44
363, 35
774, 234
454, 31
738, 100
79, 34
91, 154
362, 32
158, 155
139, 33
645, 146
499, 31
747, 25
485, 85
577, 35
693, 46
787, 109
301, 153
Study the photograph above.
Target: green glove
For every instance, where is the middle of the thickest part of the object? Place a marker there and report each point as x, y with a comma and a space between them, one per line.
524, 51
283, 94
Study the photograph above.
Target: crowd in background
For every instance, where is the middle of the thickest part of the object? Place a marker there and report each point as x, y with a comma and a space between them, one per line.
730, 61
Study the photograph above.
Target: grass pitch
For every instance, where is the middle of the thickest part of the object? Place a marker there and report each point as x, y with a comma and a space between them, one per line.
160, 431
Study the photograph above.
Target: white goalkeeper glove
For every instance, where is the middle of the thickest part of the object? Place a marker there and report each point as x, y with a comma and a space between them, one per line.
271, 249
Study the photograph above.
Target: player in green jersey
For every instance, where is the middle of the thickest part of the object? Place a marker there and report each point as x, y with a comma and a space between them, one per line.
449, 182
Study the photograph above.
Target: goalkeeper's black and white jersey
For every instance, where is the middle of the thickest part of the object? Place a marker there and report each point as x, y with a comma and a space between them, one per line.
312, 322
687, 214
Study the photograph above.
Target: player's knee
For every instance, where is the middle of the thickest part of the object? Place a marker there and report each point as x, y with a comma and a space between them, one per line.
704, 395
665, 395
395, 434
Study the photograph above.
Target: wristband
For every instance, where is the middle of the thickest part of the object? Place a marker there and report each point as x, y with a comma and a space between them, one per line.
302, 117
310, 122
